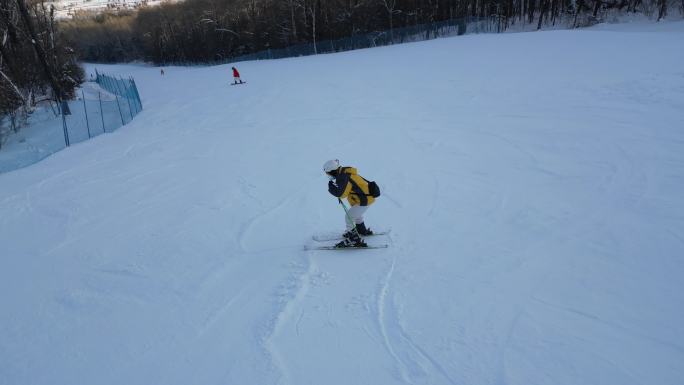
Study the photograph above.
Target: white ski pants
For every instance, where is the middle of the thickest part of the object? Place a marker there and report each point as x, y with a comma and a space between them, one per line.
356, 215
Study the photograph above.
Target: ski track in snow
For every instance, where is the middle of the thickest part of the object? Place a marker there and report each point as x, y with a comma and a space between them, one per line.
501, 375
412, 361
248, 229
293, 300
382, 322
220, 312
614, 325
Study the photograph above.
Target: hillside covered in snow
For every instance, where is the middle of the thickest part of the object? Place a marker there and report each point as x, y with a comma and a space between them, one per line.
532, 183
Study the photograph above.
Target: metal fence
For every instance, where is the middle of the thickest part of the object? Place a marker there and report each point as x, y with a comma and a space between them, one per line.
414, 33
100, 111
419, 32
120, 103
100, 107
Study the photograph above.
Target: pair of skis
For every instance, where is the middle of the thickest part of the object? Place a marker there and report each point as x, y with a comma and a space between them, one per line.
338, 237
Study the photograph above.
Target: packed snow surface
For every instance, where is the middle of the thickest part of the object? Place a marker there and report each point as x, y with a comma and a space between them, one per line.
533, 184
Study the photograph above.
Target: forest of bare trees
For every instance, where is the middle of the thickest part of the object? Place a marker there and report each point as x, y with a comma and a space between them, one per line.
214, 30
35, 62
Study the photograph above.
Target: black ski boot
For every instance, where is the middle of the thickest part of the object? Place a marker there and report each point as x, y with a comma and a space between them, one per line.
361, 228
351, 239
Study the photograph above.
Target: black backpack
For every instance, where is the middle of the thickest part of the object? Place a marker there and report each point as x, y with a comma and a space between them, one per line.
373, 189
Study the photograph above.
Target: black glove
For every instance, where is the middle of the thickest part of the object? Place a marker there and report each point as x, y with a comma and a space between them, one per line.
332, 187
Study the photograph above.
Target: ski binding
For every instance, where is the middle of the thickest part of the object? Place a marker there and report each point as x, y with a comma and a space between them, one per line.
336, 236
384, 246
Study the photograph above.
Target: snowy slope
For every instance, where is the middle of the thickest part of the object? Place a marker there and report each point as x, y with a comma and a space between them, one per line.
533, 183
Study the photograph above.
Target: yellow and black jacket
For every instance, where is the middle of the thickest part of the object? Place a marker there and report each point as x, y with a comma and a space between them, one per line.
348, 184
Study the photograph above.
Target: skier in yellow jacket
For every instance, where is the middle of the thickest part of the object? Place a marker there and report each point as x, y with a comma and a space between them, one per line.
345, 182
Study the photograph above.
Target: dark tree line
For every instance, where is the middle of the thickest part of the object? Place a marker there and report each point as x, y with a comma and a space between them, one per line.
209, 30
35, 62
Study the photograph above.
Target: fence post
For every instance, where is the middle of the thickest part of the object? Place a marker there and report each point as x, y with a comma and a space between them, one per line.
120, 113
99, 97
85, 109
132, 94
137, 95
131, 89
129, 92
118, 89
109, 84
64, 124
130, 109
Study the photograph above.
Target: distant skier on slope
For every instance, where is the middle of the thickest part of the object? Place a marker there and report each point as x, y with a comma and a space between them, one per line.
236, 76
345, 182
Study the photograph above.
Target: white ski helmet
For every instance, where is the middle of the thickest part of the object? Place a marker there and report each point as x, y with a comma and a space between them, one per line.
331, 165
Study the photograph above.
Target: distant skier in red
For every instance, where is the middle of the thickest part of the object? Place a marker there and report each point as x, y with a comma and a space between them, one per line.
236, 76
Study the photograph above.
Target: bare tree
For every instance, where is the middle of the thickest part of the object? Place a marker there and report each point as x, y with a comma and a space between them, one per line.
662, 9
390, 6
293, 24
40, 52
312, 11
14, 87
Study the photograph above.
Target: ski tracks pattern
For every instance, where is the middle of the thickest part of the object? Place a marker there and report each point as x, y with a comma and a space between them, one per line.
289, 300
249, 227
414, 364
